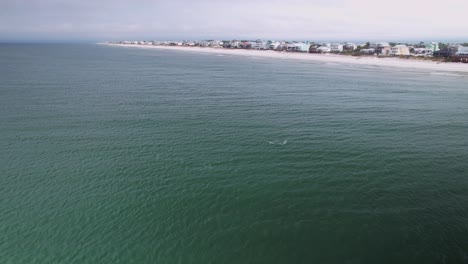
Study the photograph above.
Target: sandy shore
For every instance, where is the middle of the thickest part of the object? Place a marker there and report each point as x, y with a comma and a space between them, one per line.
389, 62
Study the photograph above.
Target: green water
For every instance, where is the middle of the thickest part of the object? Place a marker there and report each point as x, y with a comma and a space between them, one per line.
116, 155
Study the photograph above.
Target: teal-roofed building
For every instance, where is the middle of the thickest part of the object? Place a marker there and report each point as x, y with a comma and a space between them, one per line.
433, 46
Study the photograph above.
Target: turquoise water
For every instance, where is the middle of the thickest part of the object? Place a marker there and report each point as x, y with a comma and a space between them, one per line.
120, 155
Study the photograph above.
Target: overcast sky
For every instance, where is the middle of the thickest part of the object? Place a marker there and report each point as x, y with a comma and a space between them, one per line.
95, 20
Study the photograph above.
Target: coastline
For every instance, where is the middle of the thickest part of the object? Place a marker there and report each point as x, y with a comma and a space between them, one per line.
330, 58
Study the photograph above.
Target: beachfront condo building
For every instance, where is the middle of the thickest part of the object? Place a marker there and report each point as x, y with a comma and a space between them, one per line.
400, 50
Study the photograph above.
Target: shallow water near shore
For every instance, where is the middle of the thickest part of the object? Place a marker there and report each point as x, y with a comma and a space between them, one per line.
112, 155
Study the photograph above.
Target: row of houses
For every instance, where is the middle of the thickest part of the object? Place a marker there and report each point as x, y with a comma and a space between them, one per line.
269, 45
431, 49
386, 49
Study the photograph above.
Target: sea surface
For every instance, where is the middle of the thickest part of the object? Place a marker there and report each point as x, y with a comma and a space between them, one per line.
123, 155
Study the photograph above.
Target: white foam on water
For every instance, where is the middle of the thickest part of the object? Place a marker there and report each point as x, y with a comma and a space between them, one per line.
275, 142
447, 74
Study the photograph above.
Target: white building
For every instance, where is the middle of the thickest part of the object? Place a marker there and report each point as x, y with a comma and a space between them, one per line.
235, 44
381, 48
350, 46
422, 52
274, 45
368, 51
301, 46
216, 43
260, 45
336, 47
376, 45
462, 51
211, 43
400, 50
204, 43
256, 45
290, 46
323, 49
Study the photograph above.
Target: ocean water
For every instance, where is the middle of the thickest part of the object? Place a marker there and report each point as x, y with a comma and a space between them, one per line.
121, 155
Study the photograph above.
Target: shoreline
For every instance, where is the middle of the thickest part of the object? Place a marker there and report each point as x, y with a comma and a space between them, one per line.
330, 58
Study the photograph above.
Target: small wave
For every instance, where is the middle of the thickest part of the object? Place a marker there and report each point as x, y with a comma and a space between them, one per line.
275, 142
447, 74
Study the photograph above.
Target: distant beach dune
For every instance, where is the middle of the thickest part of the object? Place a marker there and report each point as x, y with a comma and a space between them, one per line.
331, 58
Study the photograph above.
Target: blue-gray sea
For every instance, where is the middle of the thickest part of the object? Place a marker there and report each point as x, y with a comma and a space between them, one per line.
121, 155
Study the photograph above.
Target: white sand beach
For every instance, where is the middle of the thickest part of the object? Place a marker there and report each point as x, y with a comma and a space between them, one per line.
331, 58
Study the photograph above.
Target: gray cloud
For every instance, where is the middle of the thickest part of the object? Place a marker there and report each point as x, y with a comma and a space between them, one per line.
184, 19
